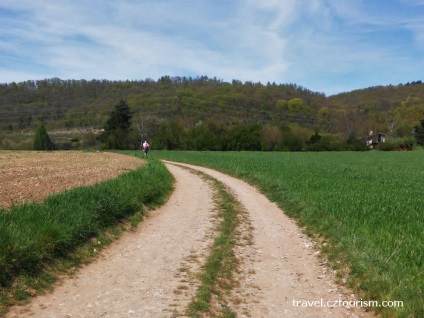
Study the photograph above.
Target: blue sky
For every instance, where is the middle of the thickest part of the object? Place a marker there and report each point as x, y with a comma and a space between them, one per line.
327, 46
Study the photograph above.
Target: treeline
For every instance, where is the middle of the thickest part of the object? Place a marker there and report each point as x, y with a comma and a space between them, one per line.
213, 135
184, 112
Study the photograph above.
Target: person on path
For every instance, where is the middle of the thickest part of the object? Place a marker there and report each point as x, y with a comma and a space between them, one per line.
145, 148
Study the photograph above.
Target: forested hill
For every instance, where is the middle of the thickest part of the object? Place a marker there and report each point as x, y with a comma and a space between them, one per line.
393, 109
75, 103
185, 103
380, 97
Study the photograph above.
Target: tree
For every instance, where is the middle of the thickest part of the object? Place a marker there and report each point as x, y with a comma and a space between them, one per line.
42, 140
144, 123
271, 137
324, 117
315, 138
419, 133
169, 135
295, 105
117, 129
281, 105
245, 137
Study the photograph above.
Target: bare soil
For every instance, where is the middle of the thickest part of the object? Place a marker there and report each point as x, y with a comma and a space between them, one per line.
30, 176
150, 272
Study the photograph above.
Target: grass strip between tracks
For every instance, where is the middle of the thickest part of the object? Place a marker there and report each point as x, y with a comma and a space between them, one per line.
217, 277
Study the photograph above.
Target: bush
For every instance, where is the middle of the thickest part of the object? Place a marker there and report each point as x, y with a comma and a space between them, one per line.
326, 142
25, 144
292, 143
355, 144
397, 144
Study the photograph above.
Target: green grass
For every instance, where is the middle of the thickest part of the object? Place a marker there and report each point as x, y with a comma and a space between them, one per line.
367, 207
34, 236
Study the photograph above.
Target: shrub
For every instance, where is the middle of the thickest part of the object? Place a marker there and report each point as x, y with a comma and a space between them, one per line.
397, 144
355, 144
326, 142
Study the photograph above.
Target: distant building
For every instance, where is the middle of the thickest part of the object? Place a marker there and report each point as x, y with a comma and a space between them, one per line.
373, 140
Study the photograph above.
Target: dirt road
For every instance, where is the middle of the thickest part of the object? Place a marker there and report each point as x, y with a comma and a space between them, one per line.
144, 274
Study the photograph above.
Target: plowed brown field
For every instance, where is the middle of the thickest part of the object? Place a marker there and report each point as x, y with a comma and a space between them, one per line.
31, 176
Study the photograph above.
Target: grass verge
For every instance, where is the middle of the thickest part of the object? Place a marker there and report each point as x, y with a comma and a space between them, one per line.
39, 240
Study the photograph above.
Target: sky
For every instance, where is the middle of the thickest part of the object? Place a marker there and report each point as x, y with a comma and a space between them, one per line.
326, 46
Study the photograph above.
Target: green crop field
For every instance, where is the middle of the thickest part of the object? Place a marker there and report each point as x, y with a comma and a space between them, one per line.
366, 209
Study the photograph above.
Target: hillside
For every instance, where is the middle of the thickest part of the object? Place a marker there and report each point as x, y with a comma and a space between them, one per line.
171, 105
57, 100
393, 110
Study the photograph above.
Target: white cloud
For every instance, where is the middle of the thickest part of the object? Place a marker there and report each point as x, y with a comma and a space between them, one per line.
299, 41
